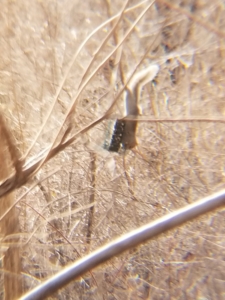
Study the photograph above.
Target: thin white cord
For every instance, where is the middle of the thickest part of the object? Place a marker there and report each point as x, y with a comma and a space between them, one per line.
126, 242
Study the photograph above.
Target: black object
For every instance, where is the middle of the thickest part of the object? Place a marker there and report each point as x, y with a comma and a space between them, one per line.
123, 136
116, 138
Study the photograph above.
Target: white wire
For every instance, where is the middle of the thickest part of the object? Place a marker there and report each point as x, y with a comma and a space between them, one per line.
125, 242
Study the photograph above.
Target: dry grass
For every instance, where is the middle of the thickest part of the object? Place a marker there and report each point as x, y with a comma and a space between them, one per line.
84, 196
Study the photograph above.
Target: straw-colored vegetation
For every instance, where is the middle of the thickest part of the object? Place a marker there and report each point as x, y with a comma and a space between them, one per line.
60, 88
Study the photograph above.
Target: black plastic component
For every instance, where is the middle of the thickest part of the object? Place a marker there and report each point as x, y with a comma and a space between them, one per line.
117, 136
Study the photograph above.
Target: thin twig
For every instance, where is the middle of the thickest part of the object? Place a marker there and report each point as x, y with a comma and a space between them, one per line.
92, 198
70, 67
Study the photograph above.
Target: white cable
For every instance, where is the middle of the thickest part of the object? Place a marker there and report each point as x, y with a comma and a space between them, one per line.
125, 242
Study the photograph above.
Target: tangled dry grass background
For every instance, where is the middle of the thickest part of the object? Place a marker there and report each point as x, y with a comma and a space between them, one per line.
60, 87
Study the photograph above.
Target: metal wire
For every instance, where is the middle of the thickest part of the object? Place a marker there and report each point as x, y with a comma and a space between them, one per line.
126, 242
